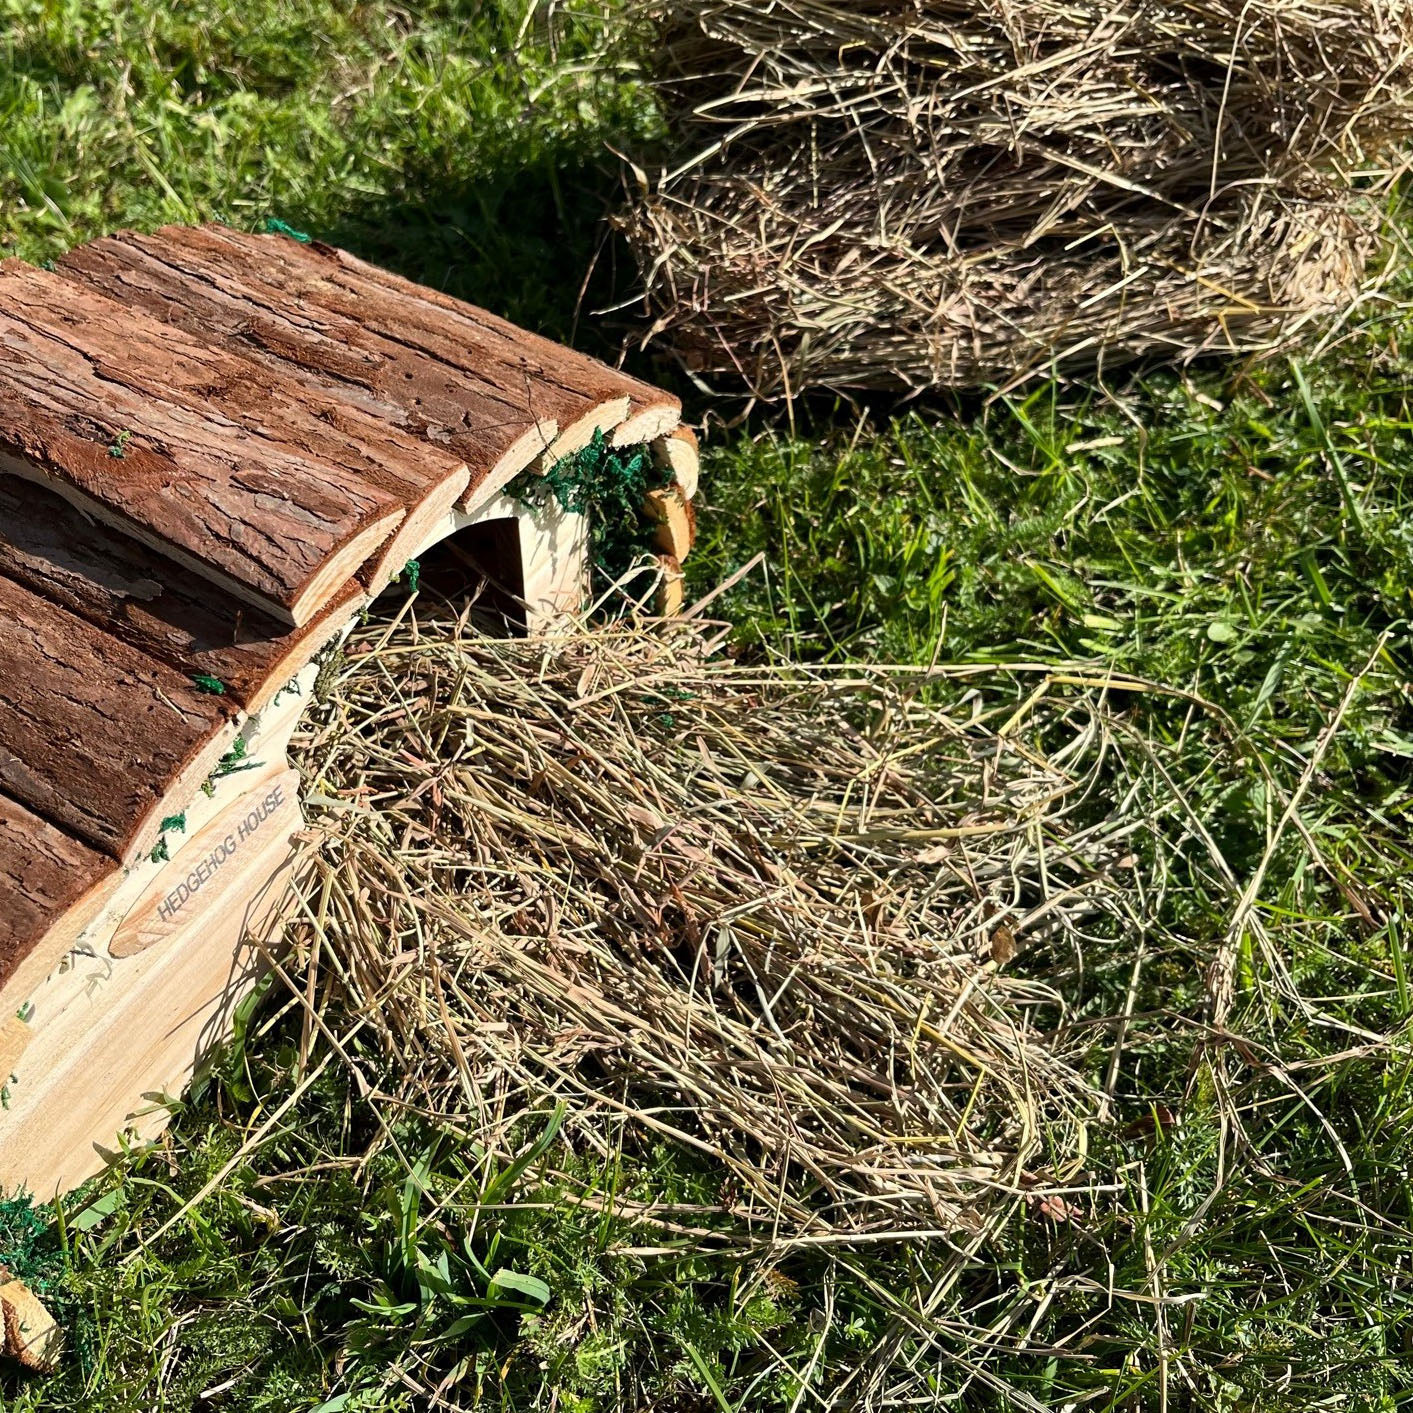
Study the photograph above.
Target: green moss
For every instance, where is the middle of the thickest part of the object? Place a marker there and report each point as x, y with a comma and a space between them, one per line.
607, 484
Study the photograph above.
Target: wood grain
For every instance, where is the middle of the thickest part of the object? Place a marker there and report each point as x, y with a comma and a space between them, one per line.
51, 884
220, 292
225, 865
152, 604
99, 402
110, 1037
675, 520
524, 370
95, 736
679, 454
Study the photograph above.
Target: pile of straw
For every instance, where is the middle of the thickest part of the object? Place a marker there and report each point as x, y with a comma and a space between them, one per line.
764, 912
875, 194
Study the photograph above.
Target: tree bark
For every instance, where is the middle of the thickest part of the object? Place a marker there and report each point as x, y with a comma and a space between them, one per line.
93, 734
152, 604
46, 876
218, 292
124, 417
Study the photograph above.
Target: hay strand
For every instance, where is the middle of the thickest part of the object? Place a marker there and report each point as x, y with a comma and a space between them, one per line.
896, 196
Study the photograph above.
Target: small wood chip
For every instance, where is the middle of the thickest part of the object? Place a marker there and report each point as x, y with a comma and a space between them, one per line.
32, 1338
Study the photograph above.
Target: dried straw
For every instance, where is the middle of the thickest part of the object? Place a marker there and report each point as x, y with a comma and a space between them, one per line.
873, 194
765, 911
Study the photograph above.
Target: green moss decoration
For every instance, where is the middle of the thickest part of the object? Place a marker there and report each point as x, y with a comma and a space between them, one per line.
275, 226
28, 1249
608, 484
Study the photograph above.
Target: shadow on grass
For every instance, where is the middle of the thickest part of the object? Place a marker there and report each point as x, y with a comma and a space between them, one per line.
532, 242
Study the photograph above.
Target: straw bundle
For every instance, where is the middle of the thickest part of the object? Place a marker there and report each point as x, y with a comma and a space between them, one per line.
873, 194
766, 912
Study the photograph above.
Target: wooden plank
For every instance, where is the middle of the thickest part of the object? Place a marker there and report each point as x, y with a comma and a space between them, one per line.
580, 393
97, 402
51, 885
679, 453
675, 519
544, 558
112, 1036
219, 293
153, 604
32, 1337
220, 867
95, 736
648, 421
668, 598
255, 398
341, 273
259, 399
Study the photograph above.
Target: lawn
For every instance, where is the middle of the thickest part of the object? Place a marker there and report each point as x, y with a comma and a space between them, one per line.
1234, 544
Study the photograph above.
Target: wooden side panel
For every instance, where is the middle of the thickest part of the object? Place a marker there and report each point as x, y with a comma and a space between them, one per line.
152, 604
83, 408
111, 1038
93, 734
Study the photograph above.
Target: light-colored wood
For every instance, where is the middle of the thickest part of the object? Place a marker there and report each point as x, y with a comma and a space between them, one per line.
115, 1039
553, 549
526, 451
225, 863
648, 421
110, 1036
680, 454
602, 417
401, 545
674, 519
31, 1336
14, 1039
668, 601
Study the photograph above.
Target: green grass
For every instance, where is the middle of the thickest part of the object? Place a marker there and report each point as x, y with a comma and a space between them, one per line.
447, 139
1240, 537
1200, 537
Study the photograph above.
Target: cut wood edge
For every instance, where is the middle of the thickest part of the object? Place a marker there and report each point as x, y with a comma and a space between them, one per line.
32, 1338
667, 601
340, 567
602, 417
318, 633
58, 941
405, 541
326, 582
522, 454
679, 454
674, 519
648, 423
180, 790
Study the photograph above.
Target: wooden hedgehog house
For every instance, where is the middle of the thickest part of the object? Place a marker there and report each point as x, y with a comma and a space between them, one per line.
215, 450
